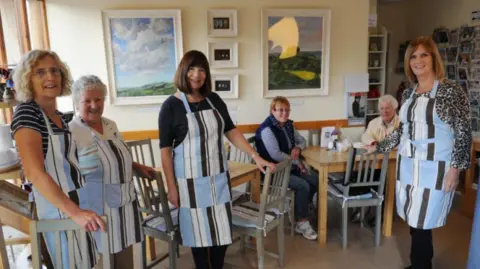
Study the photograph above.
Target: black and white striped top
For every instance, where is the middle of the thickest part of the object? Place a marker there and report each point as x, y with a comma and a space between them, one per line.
29, 115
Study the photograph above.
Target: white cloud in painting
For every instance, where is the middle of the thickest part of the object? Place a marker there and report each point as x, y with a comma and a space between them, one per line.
142, 46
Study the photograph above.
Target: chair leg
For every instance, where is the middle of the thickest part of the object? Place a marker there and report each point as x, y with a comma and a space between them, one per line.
344, 227
281, 241
260, 249
362, 216
291, 215
143, 254
172, 254
378, 220
242, 243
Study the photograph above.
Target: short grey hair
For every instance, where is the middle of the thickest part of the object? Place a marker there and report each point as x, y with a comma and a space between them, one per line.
22, 75
387, 98
86, 83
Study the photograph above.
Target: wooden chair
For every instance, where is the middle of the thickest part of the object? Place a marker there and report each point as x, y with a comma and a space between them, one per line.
137, 147
66, 227
251, 219
359, 174
159, 222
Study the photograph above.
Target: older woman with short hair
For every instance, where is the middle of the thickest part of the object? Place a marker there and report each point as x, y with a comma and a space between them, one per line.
48, 152
106, 163
384, 124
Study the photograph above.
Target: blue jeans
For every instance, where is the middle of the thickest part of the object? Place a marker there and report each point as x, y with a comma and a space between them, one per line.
305, 187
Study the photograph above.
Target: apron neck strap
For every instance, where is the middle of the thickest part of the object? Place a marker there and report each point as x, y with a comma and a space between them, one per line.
433, 93
187, 106
185, 102
47, 122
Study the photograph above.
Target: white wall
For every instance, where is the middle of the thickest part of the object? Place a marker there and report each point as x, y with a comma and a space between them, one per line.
76, 33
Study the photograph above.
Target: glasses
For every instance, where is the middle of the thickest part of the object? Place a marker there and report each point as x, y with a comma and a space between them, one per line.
42, 72
283, 110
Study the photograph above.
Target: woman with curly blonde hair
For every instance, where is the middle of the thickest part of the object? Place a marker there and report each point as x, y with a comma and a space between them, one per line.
47, 152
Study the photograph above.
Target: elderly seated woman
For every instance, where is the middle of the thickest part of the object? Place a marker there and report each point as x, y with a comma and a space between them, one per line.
106, 163
384, 124
276, 140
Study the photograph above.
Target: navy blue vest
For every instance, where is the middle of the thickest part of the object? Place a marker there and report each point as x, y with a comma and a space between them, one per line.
272, 123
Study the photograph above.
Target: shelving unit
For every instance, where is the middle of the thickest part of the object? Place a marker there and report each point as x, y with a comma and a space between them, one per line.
377, 62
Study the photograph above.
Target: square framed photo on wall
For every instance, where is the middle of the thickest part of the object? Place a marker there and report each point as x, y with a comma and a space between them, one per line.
223, 54
225, 85
222, 23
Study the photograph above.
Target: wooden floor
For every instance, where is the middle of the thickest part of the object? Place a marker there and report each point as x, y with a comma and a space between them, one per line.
451, 249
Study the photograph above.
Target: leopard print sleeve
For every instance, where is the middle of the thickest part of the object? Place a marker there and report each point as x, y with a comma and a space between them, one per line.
393, 139
453, 108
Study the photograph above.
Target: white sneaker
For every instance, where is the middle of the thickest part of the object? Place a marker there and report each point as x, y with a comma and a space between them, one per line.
306, 230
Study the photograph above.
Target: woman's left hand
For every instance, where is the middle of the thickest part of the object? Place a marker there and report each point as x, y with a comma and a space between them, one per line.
145, 171
451, 179
261, 163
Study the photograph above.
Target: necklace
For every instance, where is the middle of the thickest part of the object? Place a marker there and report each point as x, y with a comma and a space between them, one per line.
196, 105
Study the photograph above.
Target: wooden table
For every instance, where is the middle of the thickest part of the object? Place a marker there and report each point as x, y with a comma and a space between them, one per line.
15, 212
328, 162
6, 111
14, 173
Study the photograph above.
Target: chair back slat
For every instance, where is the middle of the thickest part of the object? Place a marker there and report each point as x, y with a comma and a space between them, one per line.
274, 189
67, 229
70, 249
138, 148
236, 155
58, 247
361, 169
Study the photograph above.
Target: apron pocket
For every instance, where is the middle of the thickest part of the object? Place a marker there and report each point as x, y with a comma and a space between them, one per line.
118, 195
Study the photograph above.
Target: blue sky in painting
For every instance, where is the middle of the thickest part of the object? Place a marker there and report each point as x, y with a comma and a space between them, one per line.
310, 38
143, 50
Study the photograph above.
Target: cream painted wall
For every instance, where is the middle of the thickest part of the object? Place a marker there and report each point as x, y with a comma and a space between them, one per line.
76, 34
427, 15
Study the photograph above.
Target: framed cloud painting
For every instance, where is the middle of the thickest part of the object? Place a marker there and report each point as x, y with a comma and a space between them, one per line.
295, 52
143, 50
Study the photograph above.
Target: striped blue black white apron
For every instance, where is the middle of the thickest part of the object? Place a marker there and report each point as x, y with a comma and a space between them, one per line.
107, 168
423, 161
474, 255
201, 171
62, 165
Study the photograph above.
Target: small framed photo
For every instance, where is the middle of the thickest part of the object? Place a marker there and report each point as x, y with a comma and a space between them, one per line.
222, 22
451, 72
225, 85
454, 37
223, 54
463, 73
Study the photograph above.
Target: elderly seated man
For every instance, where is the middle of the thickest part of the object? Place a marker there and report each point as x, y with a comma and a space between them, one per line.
384, 124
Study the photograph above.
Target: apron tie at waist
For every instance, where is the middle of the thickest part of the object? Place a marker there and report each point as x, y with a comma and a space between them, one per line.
420, 145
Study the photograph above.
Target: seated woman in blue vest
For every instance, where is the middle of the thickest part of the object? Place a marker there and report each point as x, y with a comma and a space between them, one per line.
276, 140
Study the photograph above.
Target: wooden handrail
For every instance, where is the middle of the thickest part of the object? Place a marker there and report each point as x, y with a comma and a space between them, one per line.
244, 128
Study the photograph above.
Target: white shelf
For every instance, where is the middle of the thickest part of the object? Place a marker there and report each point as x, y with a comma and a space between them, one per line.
376, 68
376, 35
373, 114
375, 83
373, 99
